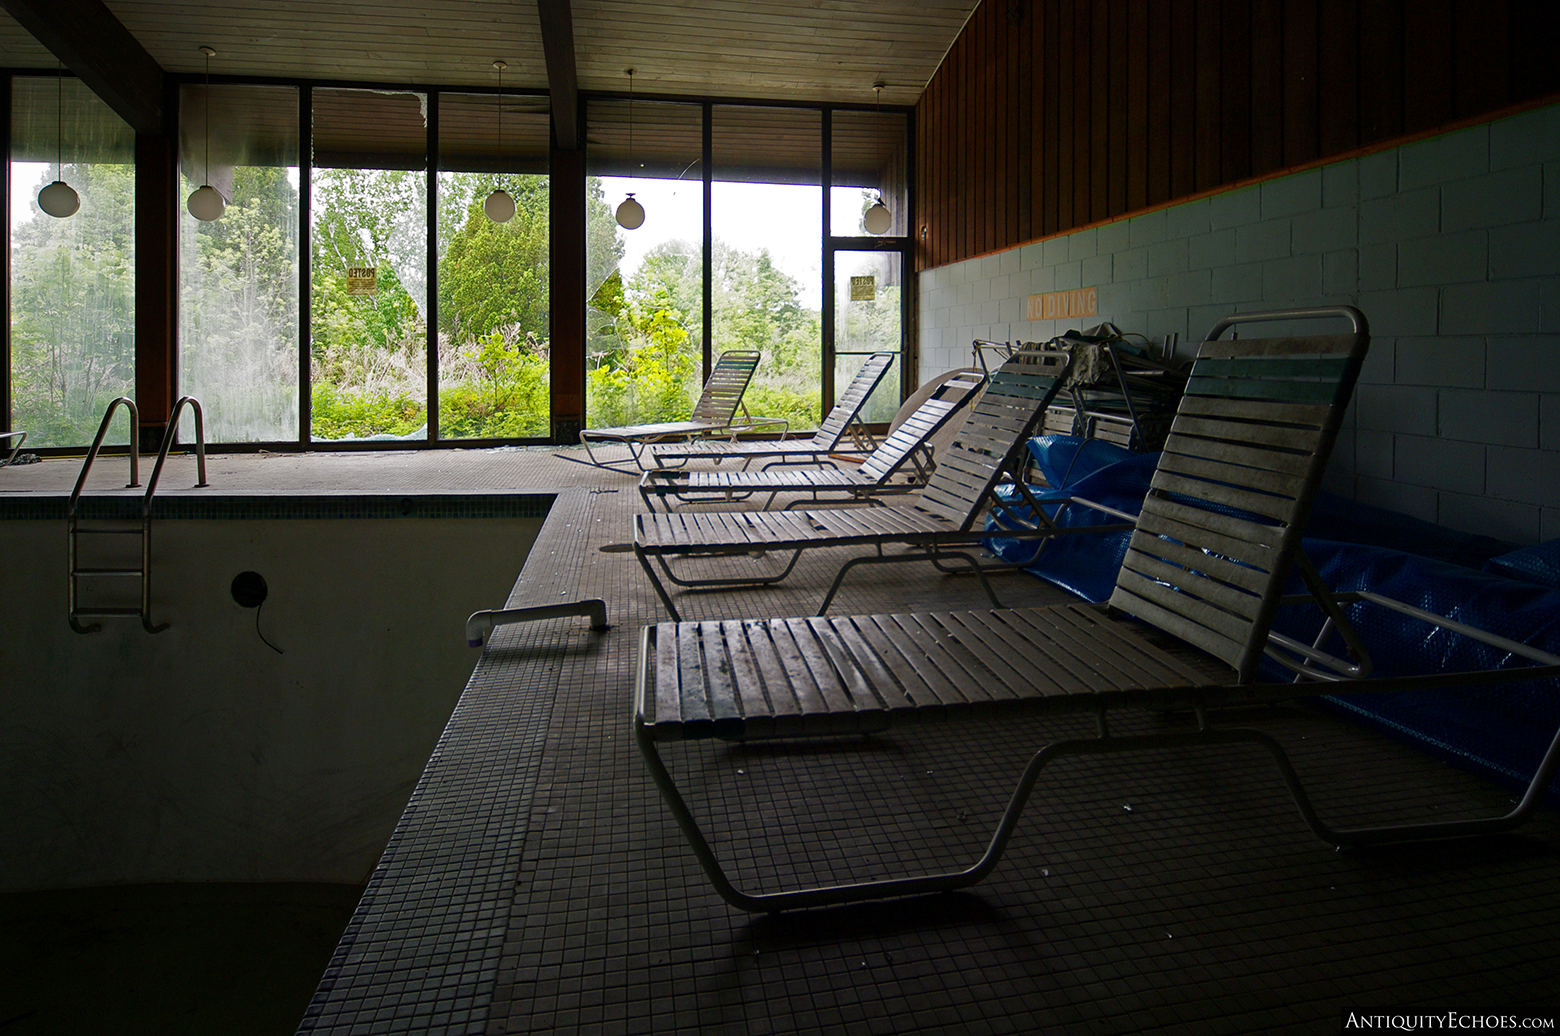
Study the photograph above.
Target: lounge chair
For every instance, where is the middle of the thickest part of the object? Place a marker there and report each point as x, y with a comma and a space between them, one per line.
716, 413
939, 527
878, 476
844, 417
1187, 628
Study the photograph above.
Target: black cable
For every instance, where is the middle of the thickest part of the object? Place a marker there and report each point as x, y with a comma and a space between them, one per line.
267, 643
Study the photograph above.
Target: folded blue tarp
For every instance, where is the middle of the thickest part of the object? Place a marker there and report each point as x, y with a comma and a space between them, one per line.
1500, 730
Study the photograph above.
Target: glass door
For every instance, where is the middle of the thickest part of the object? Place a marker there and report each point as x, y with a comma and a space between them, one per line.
868, 318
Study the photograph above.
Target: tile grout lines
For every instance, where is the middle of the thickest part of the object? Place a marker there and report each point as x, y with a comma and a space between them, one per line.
421, 952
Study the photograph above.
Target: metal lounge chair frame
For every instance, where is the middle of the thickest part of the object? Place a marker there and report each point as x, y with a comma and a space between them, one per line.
876, 477
1207, 564
843, 419
719, 411
940, 527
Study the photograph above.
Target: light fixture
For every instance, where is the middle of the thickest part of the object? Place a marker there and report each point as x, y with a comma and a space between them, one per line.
499, 206
59, 199
630, 214
206, 202
877, 219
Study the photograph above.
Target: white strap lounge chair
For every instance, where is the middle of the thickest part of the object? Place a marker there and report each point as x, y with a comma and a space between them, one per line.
719, 411
881, 474
844, 418
1206, 570
940, 526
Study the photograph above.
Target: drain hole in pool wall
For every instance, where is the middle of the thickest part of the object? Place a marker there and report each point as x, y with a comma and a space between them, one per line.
249, 589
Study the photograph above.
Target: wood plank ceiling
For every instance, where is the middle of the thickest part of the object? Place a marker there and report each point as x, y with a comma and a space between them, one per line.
787, 50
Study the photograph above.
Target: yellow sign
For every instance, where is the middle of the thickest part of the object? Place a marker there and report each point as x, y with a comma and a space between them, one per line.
1063, 305
362, 280
863, 289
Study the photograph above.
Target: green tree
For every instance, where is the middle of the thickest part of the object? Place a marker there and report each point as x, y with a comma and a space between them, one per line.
637, 326
756, 305
647, 374
367, 218
495, 274
72, 309
239, 310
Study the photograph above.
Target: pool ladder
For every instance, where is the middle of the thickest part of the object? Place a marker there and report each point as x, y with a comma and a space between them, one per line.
118, 528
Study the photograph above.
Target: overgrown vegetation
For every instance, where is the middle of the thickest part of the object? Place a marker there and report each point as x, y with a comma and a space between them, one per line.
73, 314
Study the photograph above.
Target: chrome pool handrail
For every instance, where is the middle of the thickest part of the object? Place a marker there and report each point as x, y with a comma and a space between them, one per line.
97, 443
167, 442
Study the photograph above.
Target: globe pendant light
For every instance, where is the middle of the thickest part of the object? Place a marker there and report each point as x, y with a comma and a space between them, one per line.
206, 202
877, 219
499, 206
630, 214
59, 199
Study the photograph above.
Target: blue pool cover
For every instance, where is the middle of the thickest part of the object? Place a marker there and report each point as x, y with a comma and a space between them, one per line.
1499, 730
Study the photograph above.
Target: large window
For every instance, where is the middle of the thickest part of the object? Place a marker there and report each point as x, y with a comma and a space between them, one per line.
238, 275
358, 287
72, 278
766, 212
792, 270
495, 330
644, 287
368, 353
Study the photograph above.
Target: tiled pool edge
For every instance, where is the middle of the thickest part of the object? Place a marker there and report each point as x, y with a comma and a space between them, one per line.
33, 507
421, 953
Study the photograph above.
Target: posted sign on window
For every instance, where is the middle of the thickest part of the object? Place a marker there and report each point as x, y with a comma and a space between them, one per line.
362, 280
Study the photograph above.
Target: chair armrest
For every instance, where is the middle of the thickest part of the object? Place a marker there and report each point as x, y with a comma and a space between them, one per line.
1504, 644
754, 423
1123, 515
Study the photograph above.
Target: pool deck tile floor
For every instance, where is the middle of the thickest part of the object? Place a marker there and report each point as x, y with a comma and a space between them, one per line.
536, 883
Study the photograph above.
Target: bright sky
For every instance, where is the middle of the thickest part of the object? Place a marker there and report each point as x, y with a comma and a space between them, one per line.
783, 218
26, 178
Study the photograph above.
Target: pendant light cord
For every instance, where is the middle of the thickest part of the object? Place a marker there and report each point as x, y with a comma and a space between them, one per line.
59, 126
630, 127
207, 126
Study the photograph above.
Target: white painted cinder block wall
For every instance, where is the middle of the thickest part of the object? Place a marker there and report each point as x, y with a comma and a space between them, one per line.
1451, 247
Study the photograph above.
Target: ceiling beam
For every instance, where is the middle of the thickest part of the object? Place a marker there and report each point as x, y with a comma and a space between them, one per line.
92, 43
563, 79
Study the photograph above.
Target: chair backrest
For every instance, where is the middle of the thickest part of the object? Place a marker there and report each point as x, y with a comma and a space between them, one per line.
852, 400
723, 392
914, 433
1227, 506
998, 426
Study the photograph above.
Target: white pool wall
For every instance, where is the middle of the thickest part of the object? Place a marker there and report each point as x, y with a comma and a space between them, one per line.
202, 754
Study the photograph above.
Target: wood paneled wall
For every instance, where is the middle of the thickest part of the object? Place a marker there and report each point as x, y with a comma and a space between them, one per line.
1051, 114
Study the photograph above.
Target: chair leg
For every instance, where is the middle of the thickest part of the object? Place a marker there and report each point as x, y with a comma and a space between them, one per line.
933, 556
799, 899
1377, 835
773, 902
833, 895
610, 465
660, 589
1531, 799
728, 581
